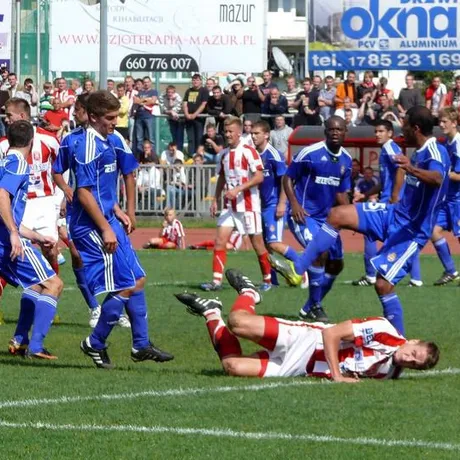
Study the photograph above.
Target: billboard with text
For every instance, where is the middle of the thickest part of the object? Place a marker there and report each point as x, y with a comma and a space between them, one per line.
385, 34
5, 32
160, 35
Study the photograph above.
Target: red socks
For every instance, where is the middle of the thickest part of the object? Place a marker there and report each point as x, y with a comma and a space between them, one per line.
245, 302
225, 343
218, 264
265, 268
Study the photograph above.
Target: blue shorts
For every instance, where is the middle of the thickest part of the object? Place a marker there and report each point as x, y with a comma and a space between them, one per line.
34, 269
109, 272
272, 227
304, 233
394, 259
449, 217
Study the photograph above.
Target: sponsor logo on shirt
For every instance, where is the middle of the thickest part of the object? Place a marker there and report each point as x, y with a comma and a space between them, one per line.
368, 335
112, 167
334, 181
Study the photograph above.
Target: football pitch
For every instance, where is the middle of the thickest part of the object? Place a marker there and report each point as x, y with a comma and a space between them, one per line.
188, 409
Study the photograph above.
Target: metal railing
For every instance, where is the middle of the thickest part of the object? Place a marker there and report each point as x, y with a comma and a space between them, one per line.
192, 198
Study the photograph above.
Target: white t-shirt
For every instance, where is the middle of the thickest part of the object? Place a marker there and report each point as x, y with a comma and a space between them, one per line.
436, 99
341, 113
167, 158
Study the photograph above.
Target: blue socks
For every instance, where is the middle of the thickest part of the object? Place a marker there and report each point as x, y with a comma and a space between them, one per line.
274, 277
392, 310
26, 316
111, 310
45, 309
136, 308
415, 271
290, 254
85, 292
315, 288
442, 248
328, 281
370, 250
322, 241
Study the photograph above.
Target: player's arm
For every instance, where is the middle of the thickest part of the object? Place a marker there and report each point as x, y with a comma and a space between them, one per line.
432, 176
297, 211
130, 187
281, 206
63, 185
90, 205
256, 179
399, 182
44, 241
123, 218
332, 337
218, 193
7, 216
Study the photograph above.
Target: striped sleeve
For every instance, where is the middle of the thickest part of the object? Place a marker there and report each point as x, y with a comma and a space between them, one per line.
376, 332
16, 173
179, 229
253, 158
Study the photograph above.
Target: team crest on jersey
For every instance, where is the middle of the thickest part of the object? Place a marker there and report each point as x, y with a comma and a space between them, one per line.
272, 228
37, 156
391, 257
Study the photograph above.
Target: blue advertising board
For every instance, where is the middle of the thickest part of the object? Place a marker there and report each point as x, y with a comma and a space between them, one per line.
386, 34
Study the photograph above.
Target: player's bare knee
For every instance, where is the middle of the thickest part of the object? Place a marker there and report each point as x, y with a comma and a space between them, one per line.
276, 247
239, 322
54, 285
334, 267
382, 286
232, 366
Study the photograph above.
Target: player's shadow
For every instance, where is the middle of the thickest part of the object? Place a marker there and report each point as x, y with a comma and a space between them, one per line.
61, 323
18, 361
213, 372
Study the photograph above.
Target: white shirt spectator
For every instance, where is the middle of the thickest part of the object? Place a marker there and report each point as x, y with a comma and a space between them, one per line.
279, 138
436, 99
341, 113
150, 177
167, 157
247, 140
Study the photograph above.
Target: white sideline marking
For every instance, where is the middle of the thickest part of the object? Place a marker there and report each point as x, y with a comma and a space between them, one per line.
228, 433
196, 391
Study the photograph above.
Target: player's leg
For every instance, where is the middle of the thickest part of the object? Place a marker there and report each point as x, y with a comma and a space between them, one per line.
442, 247
370, 251
416, 273
3, 284
225, 225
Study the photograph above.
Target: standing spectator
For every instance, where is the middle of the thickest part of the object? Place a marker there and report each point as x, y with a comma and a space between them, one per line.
13, 85
246, 136
366, 113
349, 118
280, 135
347, 106
138, 84
177, 189
130, 93
290, 94
252, 97
171, 154
75, 86
219, 107
149, 179
213, 144
210, 83
88, 87
453, 96
307, 103
317, 83
123, 114
194, 104
237, 103
387, 111
275, 104
409, 97
326, 99
4, 85
267, 85
347, 89
435, 96
46, 98
65, 97
111, 87
383, 90
171, 104
144, 126
366, 86
29, 94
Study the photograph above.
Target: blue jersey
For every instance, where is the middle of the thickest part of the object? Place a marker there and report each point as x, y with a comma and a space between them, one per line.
388, 169
96, 165
419, 206
453, 149
274, 170
318, 175
14, 178
363, 185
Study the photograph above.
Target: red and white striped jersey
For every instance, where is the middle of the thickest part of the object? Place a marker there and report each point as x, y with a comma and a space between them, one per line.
65, 96
369, 355
238, 166
173, 232
41, 159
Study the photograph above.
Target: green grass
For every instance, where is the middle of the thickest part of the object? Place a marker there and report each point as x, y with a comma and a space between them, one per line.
423, 409
191, 222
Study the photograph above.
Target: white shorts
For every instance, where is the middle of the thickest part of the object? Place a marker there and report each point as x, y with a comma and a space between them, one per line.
295, 345
246, 223
40, 215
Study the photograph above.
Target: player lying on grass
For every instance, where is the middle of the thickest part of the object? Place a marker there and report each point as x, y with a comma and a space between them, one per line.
172, 235
345, 352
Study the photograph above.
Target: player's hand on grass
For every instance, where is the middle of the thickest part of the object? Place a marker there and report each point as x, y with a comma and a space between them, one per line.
110, 240
298, 213
213, 208
17, 249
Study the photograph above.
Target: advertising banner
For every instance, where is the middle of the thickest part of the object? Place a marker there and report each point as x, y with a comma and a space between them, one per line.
5, 32
160, 35
385, 34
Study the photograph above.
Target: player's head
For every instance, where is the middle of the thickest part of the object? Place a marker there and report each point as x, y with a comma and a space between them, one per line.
417, 354
448, 121
418, 125
16, 109
260, 134
232, 131
335, 130
169, 215
103, 109
80, 113
20, 135
383, 131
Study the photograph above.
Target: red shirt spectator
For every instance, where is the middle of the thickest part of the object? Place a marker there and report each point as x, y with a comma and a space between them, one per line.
65, 96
